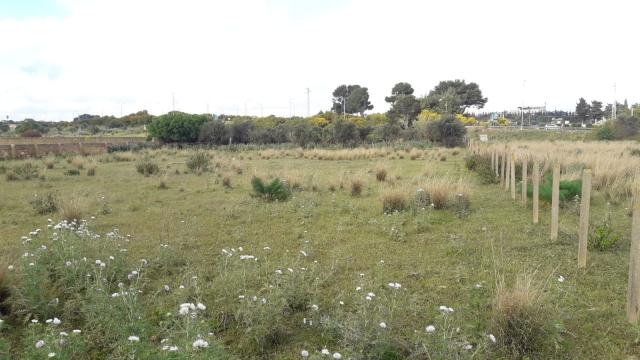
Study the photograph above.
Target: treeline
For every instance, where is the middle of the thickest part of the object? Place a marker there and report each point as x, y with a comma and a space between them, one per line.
323, 129
437, 117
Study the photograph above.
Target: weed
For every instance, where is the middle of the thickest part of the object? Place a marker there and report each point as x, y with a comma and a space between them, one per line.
69, 209
198, 162
45, 204
147, 167
25, 171
381, 174
270, 191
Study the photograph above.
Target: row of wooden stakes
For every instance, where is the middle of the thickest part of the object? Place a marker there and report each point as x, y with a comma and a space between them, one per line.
504, 165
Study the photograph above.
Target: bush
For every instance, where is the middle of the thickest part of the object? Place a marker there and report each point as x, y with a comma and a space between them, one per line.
568, 189
447, 131
345, 133
482, 166
198, 162
394, 201
147, 167
44, 204
273, 191
605, 132
177, 127
603, 237
356, 187
214, 132
381, 174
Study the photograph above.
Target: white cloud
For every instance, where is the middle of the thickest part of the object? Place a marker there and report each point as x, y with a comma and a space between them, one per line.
263, 54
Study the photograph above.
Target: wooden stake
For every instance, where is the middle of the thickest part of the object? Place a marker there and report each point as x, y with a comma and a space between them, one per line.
555, 199
507, 170
524, 183
502, 167
633, 296
513, 177
584, 218
497, 170
536, 190
493, 160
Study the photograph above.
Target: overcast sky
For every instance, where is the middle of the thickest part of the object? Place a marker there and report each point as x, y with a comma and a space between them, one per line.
61, 58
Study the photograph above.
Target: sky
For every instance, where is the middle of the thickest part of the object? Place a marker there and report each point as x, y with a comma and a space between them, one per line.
62, 58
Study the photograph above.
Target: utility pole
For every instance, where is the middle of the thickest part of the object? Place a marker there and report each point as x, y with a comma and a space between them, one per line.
173, 101
308, 104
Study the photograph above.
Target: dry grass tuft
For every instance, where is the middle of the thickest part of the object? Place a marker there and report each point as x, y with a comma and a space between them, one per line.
69, 209
394, 200
521, 322
381, 173
356, 187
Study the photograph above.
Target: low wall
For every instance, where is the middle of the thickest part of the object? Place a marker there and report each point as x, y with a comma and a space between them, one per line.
22, 150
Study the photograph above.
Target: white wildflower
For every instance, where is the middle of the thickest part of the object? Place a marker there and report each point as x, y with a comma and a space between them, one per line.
77, 331
492, 338
560, 278
430, 328
201, 306
133, 338
39, 344
199, 344
383, 325
304, 353
51, 354
325, 351
337, 356
315, 307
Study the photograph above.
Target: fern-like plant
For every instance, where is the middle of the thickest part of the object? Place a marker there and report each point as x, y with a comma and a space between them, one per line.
275, 190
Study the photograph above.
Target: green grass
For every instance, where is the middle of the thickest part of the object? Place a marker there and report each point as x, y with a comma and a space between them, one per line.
342, 242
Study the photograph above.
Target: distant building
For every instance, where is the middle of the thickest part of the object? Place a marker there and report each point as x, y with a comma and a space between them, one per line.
12, 127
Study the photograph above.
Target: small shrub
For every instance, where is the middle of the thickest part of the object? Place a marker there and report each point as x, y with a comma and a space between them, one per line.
198, 162
72, 172
356, 187
273, 191
226, 182
443, 158
332, 187
44, 204
162, 185
421, 199
394, 201
635, 152
568, 189
26, 171
147, 167
91, 171
381, 174
603, 237
69, 209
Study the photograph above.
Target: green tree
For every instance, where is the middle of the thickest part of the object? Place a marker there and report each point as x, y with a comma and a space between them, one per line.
353, 99
454, 96
595, 110
582, 110
404, 104
177, 127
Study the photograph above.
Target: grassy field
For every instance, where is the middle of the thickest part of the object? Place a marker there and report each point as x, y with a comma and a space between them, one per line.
196, 259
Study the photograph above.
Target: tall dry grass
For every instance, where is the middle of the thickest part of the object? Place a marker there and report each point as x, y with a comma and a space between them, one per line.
613, 164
